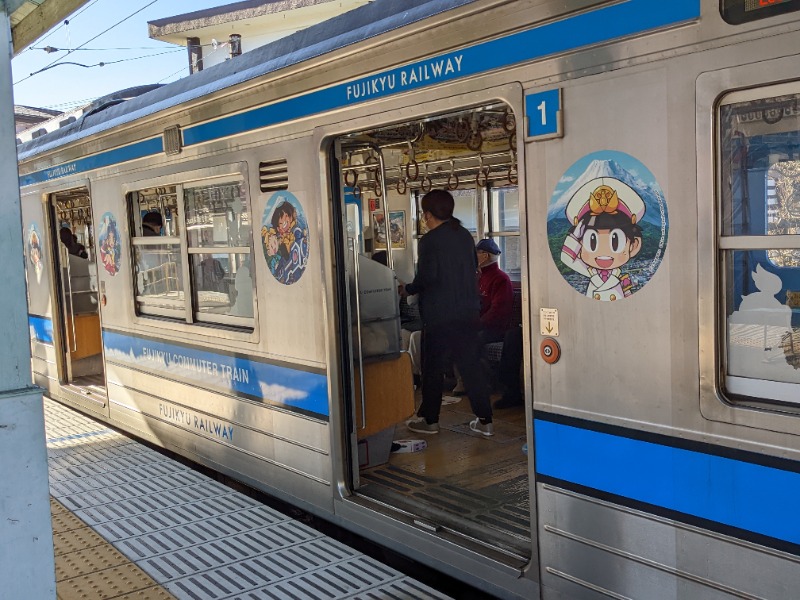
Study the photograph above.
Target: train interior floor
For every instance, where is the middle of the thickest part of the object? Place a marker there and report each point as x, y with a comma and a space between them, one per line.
471, 484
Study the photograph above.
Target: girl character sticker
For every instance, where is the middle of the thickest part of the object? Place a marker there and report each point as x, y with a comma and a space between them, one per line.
35, 249
110, 247
284, 235
607, 225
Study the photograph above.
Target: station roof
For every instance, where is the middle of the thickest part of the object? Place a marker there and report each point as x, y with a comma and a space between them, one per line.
30, 19
219, 21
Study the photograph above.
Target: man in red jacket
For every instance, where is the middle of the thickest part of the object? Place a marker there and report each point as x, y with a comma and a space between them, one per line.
497, 297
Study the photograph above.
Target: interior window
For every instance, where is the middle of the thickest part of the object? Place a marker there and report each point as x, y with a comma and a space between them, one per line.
192, 249
503, 227
760, 244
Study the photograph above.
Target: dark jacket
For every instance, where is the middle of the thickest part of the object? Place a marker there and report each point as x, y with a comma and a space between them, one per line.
497, 299
446, 279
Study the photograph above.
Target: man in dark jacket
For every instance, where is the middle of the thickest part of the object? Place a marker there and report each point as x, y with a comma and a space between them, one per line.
450, 308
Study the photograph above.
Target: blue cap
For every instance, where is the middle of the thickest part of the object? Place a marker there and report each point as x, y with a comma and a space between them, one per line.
489, 246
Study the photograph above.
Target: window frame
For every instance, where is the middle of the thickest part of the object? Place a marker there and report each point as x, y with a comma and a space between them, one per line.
232, 327
740, 390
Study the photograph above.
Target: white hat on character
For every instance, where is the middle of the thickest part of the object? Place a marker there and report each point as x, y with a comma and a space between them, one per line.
605, 195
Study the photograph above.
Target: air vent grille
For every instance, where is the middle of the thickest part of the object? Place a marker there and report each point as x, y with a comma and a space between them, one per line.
172, 140
273, 175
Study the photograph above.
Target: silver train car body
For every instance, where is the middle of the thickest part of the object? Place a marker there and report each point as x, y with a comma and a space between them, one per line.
659, 466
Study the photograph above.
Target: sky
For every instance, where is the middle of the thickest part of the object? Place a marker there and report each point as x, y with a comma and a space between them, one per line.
131, 58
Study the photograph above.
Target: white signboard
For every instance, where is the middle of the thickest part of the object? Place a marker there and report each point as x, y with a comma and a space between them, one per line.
548, 321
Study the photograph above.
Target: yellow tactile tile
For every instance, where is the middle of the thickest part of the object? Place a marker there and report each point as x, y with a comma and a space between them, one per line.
89, 568
76, 539
83, 562
106, 584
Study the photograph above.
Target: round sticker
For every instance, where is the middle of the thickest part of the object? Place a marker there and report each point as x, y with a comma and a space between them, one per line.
607, 225
110, 247
284, 237
35, 248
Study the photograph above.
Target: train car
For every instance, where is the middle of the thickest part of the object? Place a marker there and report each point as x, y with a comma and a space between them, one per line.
637, 162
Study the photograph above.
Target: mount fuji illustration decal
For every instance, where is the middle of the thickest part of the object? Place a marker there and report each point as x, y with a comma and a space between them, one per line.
607, 225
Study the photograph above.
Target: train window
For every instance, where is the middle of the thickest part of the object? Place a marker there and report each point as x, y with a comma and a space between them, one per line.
218, 229
741, 11
191, 248
760, 243
466, 209
503, 227
157, 257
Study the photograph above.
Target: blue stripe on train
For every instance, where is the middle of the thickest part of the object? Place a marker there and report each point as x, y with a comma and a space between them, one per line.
735, 493
296, 389
41, 329
96, 161
592, 27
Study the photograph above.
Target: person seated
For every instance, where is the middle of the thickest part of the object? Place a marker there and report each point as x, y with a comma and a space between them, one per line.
152, 223
71, 242
497, 299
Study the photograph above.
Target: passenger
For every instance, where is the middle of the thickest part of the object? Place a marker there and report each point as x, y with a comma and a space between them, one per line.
497, 299
212, 275
450, 308
152, 223
81, 248
71, 242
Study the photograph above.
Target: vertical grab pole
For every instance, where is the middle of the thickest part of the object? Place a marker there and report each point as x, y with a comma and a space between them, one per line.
73, 347
386, 223
352, 244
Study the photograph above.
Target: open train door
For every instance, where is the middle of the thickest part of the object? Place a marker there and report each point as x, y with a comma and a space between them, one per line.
466, 488
76, 320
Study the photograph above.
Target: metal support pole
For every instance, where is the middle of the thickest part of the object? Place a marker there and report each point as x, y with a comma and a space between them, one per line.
27, 568
195, 54
235, 45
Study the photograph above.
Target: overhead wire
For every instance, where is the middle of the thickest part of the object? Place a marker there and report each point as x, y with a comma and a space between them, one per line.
88, 41
65, 22
50, 49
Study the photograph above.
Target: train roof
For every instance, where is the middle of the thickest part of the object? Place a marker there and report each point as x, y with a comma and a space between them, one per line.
359, 24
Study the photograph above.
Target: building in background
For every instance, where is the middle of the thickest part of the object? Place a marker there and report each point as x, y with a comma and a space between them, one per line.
217, 34
27, 117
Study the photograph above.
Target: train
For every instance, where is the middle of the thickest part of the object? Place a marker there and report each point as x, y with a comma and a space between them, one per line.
638, 164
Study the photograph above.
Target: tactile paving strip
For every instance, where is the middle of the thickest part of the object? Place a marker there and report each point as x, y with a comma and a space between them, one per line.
197, 538
88, 567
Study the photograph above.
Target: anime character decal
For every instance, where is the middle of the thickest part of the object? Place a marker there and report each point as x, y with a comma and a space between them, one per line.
607, 225
284, 236
110, 247
35, 249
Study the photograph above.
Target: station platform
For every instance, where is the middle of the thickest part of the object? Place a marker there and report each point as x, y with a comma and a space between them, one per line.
129, 522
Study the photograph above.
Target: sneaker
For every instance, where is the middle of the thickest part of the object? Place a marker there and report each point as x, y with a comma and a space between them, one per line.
486, 429
420, 425
459, 390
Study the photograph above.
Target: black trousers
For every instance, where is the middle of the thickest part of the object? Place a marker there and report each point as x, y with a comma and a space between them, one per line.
511, 363
457, 342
